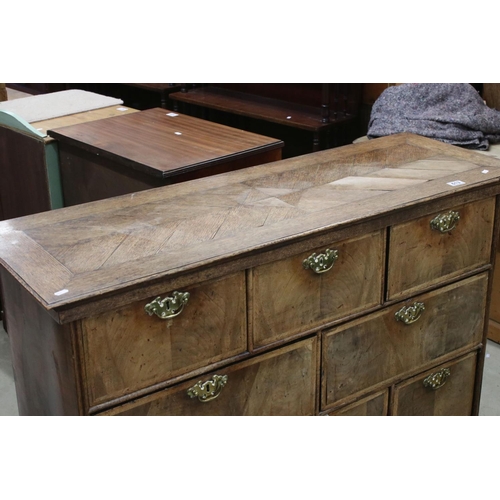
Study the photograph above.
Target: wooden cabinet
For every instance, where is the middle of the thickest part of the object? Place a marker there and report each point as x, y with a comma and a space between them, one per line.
306, 116
29, 161
29, 164
353, 281
149, 149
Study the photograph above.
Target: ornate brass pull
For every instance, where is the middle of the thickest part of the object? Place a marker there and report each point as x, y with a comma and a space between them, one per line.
209, 390
410, 314
436, 380
169, 307
444, 223
322, 262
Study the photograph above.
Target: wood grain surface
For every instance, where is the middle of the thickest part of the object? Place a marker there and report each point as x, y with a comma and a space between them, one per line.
376, 405
158, 141
87, 116
288, 299
430, 255
282, 382
119, 360
78, 280
454, 398
95, 250
378, 347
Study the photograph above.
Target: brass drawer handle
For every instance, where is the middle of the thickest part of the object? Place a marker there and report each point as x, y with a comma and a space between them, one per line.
410, 314
322, 262
444, 223
209, 390
169, 307
436, 380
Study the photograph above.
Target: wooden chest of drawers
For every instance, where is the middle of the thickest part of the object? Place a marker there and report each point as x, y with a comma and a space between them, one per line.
354, 281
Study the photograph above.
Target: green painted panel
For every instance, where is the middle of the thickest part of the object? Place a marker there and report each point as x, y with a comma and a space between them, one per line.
14, 121
54, 175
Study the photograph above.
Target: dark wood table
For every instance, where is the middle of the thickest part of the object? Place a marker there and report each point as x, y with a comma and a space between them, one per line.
149, 149
306, 116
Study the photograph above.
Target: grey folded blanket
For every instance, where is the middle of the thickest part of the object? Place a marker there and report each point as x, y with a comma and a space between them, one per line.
449, 112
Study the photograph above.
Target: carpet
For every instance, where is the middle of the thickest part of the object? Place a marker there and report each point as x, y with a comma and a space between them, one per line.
67, 102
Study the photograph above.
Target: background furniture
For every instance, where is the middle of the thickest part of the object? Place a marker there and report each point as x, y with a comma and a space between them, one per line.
306, 116
29, 162
28, 157
135, 95
152, 148
349, 281
39, 88
491, 94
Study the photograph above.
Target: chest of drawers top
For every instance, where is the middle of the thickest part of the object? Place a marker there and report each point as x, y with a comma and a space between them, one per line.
125, 246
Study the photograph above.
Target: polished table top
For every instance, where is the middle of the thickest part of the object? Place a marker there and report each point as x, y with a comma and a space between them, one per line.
163, 143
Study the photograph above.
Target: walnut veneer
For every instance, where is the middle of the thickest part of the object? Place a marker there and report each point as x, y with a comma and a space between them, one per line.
353, 281
307, 116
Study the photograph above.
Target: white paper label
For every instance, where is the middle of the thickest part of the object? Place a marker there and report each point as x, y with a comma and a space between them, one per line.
61, 292
455, 183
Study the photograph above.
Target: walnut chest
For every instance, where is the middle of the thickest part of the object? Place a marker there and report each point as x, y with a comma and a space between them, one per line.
352, 281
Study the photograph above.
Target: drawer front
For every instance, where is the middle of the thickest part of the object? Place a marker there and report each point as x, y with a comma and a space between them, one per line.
128, 349
373, 406
380, 347
422, 254
289, 297
282, 382
447, 390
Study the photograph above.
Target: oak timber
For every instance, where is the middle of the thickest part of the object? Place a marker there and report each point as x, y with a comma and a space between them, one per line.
98, 249
387, 348
258, 320
453, 398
